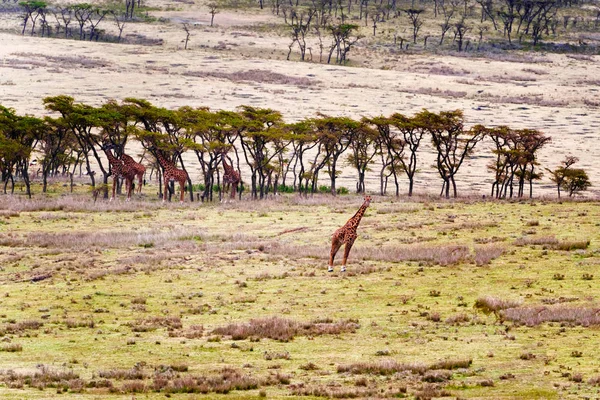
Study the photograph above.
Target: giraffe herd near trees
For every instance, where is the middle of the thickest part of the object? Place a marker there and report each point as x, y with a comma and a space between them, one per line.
127, 168
139, 169
119, 170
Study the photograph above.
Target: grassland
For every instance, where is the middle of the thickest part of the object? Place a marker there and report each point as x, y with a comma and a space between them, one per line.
463, 299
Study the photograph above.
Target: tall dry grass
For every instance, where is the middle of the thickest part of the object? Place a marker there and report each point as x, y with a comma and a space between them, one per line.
537, 315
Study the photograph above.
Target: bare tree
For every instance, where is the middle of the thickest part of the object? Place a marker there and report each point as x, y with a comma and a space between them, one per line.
213, 10
187, 34
414, 15
460, 30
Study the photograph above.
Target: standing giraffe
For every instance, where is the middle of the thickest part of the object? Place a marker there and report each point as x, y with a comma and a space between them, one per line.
139, 169
347, 235
170, 173
230, 175
119, 169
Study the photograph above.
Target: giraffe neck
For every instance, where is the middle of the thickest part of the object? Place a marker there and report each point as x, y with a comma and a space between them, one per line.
355, 220
111, 159
225, 165
163, 161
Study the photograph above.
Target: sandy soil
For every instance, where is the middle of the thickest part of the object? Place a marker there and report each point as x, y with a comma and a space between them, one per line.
552, 93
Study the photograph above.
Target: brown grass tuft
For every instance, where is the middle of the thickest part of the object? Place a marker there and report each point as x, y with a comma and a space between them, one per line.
536, 315
491, 304
553, 243
284, 330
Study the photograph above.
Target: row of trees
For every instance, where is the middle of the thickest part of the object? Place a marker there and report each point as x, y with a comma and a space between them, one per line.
277, 154
464, 21
79, 20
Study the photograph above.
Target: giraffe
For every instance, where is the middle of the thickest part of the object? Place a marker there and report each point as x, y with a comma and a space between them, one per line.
139, 169
118, 170
230, 175
170, 173
347, 235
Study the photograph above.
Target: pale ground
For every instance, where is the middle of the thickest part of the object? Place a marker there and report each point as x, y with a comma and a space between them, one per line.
555, 87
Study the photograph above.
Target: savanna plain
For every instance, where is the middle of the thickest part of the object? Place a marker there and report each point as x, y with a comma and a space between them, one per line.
443, 298
456, 299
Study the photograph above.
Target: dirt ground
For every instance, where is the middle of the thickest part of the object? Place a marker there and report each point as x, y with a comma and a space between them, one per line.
557, 94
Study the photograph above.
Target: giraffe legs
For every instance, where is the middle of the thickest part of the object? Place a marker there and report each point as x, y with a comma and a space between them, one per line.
129, 186
336, 243
114, 188
182, 189
140, 181
166, 188
347, 248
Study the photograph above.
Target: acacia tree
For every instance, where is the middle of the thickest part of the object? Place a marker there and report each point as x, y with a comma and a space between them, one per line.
362, 153
412, 131
575, 180
260, 128
414, 15
559, 175
335, 134
82, 120
299, 21
303, 138
32, 10
212, 132
54, 143
18, 136
391, 149
452, 143
530, 142
343, 40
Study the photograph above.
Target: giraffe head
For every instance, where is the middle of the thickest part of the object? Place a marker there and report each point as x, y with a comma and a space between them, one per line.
367, 200
108, 146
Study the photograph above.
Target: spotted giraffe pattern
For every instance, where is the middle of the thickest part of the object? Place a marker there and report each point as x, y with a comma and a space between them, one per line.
139, 169
230, 175
119, 170
347, 235
171, 173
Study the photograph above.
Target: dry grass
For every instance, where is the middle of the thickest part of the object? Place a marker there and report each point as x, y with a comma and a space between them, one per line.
553, 243
536, 315
390, 367
257, 76
284, 330
156, 322
491, 304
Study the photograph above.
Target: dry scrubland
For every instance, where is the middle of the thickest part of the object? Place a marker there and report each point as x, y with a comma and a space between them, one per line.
468, 299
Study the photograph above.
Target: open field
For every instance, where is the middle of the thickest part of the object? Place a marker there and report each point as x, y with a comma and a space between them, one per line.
232, 64
464, 299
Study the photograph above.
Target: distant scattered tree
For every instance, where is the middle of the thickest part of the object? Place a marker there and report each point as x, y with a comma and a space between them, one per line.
187, 34
32, 10
414, 15
299, 21
343, 39
213, 9
460, 30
